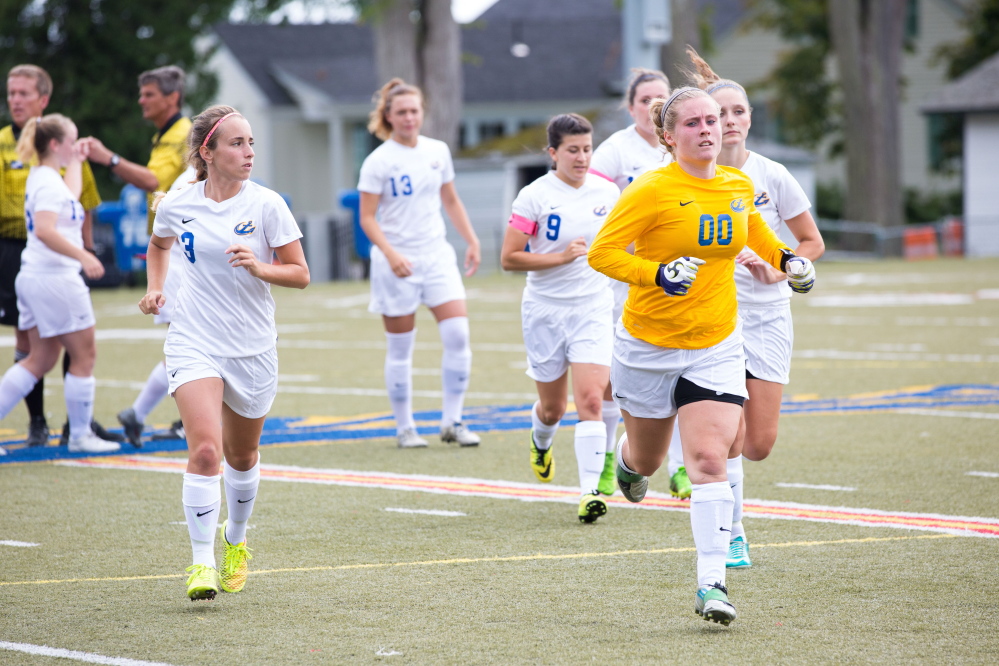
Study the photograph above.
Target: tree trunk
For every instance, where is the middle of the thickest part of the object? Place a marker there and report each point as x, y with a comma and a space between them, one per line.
442, 76
684, 16
425, 52
396, 36
867, 38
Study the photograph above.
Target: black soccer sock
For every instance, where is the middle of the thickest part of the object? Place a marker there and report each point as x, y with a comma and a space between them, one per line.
65, 363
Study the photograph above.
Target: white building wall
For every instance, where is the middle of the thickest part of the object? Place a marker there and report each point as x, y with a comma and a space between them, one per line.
981, 180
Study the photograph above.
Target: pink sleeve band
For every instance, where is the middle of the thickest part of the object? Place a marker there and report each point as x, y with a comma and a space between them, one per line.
520, 223
604, 176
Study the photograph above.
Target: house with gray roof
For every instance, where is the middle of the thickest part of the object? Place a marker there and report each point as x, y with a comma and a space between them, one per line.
975, 95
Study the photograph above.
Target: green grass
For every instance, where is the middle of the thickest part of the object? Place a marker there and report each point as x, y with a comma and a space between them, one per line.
338, 579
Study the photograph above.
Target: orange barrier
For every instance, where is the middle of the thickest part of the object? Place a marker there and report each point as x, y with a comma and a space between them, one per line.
920, 243
952, 236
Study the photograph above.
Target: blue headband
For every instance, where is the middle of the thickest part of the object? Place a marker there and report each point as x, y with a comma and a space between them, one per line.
728, 84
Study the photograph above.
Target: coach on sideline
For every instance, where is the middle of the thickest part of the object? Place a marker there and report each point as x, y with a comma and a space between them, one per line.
161, 94
28, 90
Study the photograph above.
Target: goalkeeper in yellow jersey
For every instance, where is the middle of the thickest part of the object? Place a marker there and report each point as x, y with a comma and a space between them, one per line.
679, 343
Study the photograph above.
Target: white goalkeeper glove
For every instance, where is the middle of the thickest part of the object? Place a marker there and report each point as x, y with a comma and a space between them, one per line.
676, 276
800, 272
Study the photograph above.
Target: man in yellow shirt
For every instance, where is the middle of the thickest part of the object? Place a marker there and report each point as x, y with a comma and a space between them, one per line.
29, 88
161, 95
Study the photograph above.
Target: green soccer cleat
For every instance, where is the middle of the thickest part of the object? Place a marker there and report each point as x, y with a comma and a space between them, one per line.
738, 554
232, 575
591, 507
542, 462
203, 583
607, 484
679, 484
711, 603
633, 486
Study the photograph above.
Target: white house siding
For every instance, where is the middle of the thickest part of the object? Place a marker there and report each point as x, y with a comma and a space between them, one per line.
981, 180
301, 157
487, 192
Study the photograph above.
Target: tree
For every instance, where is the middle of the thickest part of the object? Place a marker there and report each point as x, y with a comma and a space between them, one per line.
420, 41
981, 21
867, 38
95, 51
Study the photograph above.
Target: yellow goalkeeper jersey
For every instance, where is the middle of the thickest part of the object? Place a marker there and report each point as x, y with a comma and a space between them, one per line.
14, 179
669, 214
168, 158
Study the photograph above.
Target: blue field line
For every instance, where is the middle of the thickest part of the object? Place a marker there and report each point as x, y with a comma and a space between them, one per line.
493, 418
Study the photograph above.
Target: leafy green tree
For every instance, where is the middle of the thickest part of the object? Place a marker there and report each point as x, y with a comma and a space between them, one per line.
95, 51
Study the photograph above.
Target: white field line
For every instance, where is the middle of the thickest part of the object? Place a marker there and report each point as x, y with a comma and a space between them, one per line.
949, 412
809, 486
987, 475
428, 512
891, 299
19, 544
327, 390
912, 357
75, 655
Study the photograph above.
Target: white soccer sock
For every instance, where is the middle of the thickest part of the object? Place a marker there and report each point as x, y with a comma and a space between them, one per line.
735, 479
456, 365
79, 394
17, 382
591, 444
620, 455
543, 433
611, 416
152, 393
240, 491
399, 377
202, 499
675, 461
711, 523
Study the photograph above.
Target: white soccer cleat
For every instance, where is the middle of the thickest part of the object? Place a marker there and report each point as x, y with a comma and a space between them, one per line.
408, 439
91, 443
459, 433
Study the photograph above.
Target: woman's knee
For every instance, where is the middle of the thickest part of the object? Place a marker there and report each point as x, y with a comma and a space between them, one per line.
590, 405
758, 445
551, 411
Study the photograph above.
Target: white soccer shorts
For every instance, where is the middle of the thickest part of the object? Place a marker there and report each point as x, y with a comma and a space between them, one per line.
559, 333
435, 280
644, 375
57, 303
769, 336
250, 382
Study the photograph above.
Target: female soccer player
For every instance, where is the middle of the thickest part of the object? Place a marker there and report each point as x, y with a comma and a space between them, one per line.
764, 296
404, 181
221, 348
626, 154
54, 301
566, 310
678, 345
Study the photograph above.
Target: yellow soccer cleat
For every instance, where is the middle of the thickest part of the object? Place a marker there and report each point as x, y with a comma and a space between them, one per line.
591, 507
203, 584
232, 575
542, 462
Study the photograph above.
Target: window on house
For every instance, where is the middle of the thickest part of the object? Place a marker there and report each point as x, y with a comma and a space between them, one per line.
912, 20
492, 130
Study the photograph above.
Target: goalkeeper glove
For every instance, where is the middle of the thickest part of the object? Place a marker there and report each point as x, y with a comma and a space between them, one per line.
676, 276
800, 272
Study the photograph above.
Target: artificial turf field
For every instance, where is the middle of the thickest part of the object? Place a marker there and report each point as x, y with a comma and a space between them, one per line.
894, 393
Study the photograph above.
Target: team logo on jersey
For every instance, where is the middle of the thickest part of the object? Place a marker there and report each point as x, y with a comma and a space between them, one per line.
762, 199
738, 206
435, 165
600, 211
17, 164
244, 228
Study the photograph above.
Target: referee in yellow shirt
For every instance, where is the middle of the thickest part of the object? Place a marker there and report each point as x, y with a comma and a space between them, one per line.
161, 95
29, 88
678, 346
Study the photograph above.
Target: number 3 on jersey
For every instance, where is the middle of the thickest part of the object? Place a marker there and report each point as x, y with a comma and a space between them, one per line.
187, 238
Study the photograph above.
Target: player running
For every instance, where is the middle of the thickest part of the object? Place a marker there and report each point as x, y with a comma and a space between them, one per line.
566, 309
221, 348
764, 297
53, 300
678, 346
404, 181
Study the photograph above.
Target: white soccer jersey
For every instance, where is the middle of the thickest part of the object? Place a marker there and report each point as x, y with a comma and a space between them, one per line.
554, 214
221, 309
409, 182
625, 156
47, 191
779, 197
